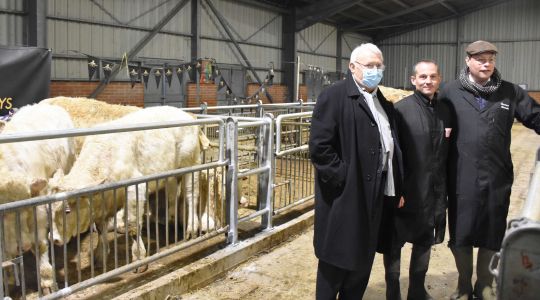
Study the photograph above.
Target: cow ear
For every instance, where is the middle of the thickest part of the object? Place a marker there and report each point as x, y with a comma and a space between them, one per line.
37, 185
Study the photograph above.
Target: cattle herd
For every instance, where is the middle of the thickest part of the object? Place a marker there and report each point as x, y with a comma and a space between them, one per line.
62, 165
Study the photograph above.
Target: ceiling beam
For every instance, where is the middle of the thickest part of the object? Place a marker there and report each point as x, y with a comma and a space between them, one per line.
262, 5
449, 7
485, 5
397, 14
371, 8
405, 5
320, 10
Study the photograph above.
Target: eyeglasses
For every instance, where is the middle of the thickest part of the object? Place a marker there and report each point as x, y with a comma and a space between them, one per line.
372, 66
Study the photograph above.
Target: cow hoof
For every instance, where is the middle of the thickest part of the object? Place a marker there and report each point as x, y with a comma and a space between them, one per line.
141, 269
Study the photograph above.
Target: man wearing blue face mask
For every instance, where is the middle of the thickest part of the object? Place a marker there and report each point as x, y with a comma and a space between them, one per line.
357, 169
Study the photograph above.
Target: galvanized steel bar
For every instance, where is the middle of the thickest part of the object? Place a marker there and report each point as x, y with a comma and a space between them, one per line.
531, 208
124, 269
254, 215
280, 118
295, 203
231, 186
89, 190
43, 135
266, 180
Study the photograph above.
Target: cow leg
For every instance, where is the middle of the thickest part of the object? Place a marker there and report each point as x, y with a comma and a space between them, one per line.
45, 269
136, 200
102, 249
208, 185
191, 184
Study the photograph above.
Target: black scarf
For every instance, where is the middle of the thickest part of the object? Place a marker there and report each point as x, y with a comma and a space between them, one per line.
477, 89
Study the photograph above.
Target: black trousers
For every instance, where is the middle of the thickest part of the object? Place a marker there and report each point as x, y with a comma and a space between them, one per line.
333, 281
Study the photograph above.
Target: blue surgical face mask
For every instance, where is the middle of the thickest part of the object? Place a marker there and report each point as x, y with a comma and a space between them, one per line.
371, 77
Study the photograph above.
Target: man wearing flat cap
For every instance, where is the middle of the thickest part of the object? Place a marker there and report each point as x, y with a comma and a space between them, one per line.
480, 166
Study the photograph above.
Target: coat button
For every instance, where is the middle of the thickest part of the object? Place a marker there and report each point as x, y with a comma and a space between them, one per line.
372, 124
372, 151
368, 177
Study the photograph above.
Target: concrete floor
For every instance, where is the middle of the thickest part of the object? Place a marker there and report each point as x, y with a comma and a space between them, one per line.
288, 270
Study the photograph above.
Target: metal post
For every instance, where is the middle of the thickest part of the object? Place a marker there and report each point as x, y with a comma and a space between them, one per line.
231, 184
266, 179
195, 29
231, 37
297, 80
35, 31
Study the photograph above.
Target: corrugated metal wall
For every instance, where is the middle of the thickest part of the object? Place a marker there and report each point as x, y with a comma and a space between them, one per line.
350, 41
257, 31
317, 46
107, 29
11, 24
513, 27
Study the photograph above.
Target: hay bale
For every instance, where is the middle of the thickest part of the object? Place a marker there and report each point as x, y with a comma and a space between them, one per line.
394, 95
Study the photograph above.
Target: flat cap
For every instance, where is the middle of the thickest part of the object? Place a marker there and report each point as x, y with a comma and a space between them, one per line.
480, 47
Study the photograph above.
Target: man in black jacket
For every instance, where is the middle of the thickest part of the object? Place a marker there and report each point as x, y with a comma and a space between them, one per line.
356, 158
480, 166
424, 129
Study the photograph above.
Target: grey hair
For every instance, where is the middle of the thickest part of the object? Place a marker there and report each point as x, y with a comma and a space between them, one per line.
364, 48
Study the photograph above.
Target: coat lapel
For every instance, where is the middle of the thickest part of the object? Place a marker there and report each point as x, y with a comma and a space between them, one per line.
470, 98
354, 94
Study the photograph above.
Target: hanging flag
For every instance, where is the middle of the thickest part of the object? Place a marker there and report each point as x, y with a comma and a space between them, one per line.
192, 72
180, 73
93, 64
107, 70
134, 75
168, 75
145, 72
157, 76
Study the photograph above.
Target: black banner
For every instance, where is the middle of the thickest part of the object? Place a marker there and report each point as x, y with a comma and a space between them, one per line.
25, 76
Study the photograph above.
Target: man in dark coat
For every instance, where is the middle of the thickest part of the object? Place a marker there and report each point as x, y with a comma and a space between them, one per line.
424, 129
480, 166
356, 158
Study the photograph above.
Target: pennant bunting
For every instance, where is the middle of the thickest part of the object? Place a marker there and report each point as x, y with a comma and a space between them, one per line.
93, 64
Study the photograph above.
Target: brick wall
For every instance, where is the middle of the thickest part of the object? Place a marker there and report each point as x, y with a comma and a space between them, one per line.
208, 94
278, 92
114, 92
122, 93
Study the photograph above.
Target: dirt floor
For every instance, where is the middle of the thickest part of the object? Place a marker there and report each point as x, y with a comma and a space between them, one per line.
288, 271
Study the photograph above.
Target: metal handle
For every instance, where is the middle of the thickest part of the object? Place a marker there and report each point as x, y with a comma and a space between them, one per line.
494, 264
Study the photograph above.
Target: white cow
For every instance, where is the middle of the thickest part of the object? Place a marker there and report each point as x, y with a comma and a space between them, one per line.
87, 112
114, 157
212, 193
24, 167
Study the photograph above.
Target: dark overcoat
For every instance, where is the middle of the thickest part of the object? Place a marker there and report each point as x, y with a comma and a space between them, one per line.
424, 133
480, 165
345, 148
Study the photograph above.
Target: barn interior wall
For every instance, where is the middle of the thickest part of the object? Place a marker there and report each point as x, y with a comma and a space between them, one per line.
512, 26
